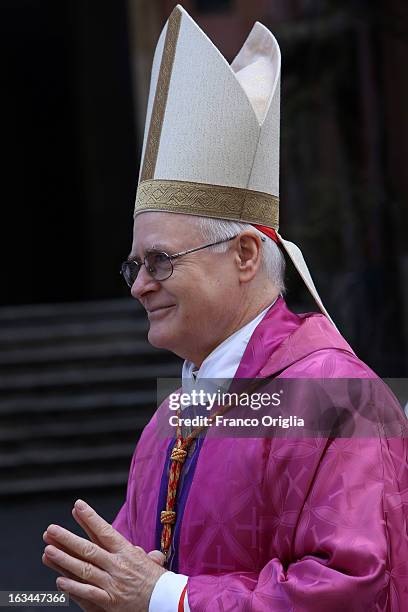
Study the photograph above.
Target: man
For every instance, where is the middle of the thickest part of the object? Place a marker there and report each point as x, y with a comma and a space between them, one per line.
235, 523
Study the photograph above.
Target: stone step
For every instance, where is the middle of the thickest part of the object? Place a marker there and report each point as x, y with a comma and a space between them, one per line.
73, 403
68, 482
97, 350
27, 313
71, 332
55, 456
77, 387
98, 376
68, 429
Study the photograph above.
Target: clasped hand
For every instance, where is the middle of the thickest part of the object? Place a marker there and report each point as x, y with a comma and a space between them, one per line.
106, 573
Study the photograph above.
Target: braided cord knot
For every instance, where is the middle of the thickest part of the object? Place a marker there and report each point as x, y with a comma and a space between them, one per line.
178, 454
167, 517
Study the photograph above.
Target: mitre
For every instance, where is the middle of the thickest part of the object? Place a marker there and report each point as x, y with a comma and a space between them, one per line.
211, 141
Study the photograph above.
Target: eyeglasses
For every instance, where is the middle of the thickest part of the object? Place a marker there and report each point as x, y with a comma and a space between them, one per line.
159, 264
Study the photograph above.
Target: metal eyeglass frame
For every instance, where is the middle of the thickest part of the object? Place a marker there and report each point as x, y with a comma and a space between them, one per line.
171, 257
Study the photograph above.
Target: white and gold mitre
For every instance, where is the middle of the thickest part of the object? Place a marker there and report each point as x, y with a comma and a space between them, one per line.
211, 142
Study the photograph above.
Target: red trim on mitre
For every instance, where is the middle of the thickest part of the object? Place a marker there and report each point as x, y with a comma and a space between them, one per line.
181, 600
268, 231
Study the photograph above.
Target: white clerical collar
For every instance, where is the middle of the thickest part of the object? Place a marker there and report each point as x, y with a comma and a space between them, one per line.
223, 361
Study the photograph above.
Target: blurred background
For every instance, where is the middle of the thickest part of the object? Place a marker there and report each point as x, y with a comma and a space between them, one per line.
77, 377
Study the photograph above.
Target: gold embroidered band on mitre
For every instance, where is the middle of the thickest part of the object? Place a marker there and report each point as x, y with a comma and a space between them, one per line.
203, 199
160, 97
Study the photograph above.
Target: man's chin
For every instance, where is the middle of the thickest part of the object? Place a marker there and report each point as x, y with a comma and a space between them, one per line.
159, 338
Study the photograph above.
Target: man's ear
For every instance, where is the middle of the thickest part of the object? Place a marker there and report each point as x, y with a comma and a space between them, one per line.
249, 255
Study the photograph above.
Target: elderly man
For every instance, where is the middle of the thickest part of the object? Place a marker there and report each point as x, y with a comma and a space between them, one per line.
235, 523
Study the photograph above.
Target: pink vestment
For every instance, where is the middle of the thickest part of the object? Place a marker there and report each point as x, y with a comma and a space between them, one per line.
305, 525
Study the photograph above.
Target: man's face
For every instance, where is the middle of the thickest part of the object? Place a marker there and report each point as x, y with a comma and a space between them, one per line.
190, 312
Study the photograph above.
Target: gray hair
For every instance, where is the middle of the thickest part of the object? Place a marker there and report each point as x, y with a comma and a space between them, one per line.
273, 261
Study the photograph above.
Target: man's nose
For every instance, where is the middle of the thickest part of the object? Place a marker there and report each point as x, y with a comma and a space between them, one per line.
143, 284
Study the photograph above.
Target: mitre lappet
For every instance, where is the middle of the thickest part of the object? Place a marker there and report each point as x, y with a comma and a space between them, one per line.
211, 141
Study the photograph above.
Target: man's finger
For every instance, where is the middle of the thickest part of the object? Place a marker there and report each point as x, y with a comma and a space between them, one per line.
91, 535
79, 547
109, 538
84, 592
48, 539
57, 568
82, 603
157, 557
54, 566
84, 570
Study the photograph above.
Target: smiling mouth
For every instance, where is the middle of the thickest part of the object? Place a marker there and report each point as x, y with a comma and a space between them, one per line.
161, 309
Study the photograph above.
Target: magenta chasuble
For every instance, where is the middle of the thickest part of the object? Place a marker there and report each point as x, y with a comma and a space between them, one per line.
285, 524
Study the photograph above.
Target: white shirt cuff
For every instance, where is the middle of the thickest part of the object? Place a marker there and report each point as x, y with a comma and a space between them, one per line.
167, 592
